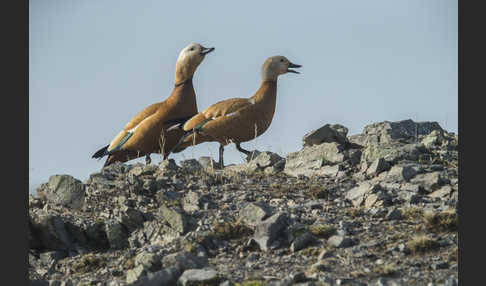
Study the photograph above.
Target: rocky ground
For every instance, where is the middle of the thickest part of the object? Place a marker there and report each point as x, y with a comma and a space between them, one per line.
377, 208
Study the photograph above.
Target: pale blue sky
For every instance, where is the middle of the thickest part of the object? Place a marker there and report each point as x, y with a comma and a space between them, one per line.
94, 64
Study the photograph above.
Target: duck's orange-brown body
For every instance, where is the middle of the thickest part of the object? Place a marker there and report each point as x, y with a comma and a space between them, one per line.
149, 131
149, 126
235, 120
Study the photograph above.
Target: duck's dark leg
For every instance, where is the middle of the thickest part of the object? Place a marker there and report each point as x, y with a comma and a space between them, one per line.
147, 159
238, 147
221, 150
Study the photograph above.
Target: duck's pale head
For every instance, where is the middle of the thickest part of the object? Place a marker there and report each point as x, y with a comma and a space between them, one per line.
277, 65
189, 59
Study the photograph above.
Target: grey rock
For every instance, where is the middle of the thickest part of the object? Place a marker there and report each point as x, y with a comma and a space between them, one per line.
39, 282
394, 214
310, 159
327, 133
270, 230
379, 165
184, 260
429, 181
150, 261
116, 234
302, 241
191, 165
63, 190
50, 233
339, 241
359, 194
264, 160
435, 138
392, 152
399, 173
253, 213
443, 193
48, 257
135, 274
207, 162
191, 201
451, 281
131, 218
168, 165
176, 218
164, 277
405, 129
193, 277
330, 171
385, 282
227, 283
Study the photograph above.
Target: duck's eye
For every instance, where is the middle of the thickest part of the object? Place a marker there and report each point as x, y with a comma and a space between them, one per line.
192, 49
281, 60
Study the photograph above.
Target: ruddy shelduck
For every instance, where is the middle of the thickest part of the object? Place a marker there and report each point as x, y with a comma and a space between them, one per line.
237, 120
147, 132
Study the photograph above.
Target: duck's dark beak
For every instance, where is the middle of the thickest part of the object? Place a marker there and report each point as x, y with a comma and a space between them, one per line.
205, 51
291, 65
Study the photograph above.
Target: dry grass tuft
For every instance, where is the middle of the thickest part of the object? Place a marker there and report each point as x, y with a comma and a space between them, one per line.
413, 213
230, 230
445, 221
420, 244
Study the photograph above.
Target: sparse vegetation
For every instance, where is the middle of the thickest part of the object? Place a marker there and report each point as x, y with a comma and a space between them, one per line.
413, 213
445, 221
88, 263
386, 269
251, 283
231, 230
322, 230
420, 244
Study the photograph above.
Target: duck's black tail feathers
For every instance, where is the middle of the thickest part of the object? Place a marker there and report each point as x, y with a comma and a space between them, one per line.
100, 153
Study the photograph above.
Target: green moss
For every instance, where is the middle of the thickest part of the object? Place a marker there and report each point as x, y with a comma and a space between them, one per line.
322, 230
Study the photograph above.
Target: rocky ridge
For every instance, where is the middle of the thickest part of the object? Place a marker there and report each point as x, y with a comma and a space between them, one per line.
376, 208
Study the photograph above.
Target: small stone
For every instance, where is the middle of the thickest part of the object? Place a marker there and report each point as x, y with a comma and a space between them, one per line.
440, 265
150, 261
167, 276
394, 214
190, 165
357, 195
193, 277
401, 173
270, 230
176, 218
168, 165
429, 181
378, 166
301, 242
252, 214
327, 133
442, 193
339, 241
134, 274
